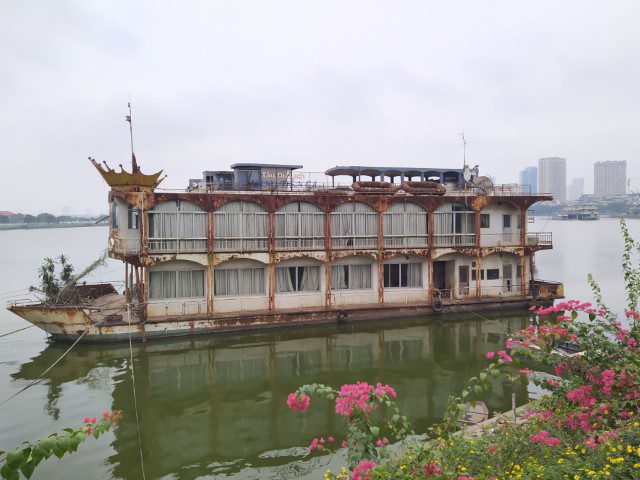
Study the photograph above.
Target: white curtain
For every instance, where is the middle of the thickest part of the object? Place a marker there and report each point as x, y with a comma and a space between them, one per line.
239, 281
405, 224
355, 225
240, 226
298, 279
299, 225
177, 226
350, 277
176, 284
285, 278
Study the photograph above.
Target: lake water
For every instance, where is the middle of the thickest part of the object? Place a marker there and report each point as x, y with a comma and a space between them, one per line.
213, 407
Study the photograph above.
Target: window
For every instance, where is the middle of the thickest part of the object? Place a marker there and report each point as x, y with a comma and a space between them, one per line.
354, 225
239, 281
133, 220
177, 226
297, 279
114, 215
405, 225
493, 274
176, 284
518, 272
485, 221
474, 275
402, 275
506, 221
299, 226
519, 221
454, 224
240, 227
350, 277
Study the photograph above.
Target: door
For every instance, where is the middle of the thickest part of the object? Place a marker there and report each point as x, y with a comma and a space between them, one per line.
506, 230
463, 280
507, 278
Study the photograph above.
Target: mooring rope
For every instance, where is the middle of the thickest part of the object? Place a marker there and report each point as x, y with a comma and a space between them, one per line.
16, 331
40, 379
135, 397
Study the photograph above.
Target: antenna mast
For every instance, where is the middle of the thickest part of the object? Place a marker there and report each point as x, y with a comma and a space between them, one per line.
134, 164
464, 150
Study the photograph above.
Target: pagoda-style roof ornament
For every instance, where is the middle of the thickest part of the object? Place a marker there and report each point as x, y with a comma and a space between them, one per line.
124, 180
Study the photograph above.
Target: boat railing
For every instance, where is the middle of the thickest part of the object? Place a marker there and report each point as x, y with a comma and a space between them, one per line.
501, 239
454, 239
127, 245
303, 181
544, 239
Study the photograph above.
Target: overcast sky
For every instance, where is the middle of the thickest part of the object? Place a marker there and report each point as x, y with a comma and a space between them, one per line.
317, 83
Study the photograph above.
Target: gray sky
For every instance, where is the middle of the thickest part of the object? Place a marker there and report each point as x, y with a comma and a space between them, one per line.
316, 83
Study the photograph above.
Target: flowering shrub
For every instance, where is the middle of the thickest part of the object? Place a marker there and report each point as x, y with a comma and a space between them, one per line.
24, 459
371, 417
587, 427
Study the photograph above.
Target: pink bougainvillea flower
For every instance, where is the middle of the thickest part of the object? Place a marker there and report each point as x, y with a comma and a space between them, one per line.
363, 470
490, 355
298, 402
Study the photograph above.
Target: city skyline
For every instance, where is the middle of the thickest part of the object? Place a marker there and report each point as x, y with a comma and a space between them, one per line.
216, 84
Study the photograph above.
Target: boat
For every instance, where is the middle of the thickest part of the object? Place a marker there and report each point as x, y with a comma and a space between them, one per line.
584, 212
268, 245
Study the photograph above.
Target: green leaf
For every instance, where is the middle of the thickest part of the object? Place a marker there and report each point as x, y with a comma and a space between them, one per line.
465, 393
374, 430
574, 315
395, 418
27, 469
477, 389
9, 473
495, 373
15, 458
38, 454
483, 376
57, 451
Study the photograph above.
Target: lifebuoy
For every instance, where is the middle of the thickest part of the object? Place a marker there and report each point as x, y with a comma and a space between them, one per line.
437, 305
342, 316
424, 188
375, 187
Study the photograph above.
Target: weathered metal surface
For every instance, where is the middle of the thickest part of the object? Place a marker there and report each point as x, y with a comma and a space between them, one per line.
69, 323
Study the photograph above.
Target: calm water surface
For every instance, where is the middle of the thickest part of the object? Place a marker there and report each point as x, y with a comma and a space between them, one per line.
213, 407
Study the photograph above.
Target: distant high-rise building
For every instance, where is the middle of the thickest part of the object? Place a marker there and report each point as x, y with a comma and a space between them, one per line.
576, 189
529, 176
552, 177
610, 179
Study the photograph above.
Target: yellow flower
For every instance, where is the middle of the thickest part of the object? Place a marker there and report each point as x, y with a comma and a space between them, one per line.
463, 468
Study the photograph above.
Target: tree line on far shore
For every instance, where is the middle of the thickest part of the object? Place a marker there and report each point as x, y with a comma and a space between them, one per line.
43, 218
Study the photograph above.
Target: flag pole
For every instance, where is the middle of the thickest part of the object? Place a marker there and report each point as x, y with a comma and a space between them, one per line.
134, 164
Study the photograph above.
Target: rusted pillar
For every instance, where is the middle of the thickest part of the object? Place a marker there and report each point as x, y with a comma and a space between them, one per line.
210, 233
430, 274
478, 243
380, 259
531, 276
430, 227
523, 273
523, 229
327, 261
478, 275
126, 282
271, 226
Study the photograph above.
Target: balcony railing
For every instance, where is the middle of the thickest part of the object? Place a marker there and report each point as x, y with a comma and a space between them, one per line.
454, 239
543, 239
298, 244
500, 239
174, 245
127, 246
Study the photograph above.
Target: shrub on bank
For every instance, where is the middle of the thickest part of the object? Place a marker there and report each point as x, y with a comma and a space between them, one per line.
586, 427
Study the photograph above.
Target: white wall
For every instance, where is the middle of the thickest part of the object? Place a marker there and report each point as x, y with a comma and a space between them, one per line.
495, 235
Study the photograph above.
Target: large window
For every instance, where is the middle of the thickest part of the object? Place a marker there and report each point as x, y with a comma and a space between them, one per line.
298, 279
177, 226
299, 226
454, 225
405, 225
354, 225
402, 275
493, 274
239, 281
176, 284
350, 277
133, 218
114, 215
240, 227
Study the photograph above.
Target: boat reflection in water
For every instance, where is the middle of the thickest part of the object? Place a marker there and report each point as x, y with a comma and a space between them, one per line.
215, 406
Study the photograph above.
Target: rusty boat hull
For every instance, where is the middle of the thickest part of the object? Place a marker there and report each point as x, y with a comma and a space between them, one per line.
70, 323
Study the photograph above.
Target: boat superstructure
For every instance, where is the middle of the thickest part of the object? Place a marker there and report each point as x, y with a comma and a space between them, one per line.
264, 245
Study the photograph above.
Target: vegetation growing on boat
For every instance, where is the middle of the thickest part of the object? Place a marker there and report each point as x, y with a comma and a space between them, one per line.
58, 285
